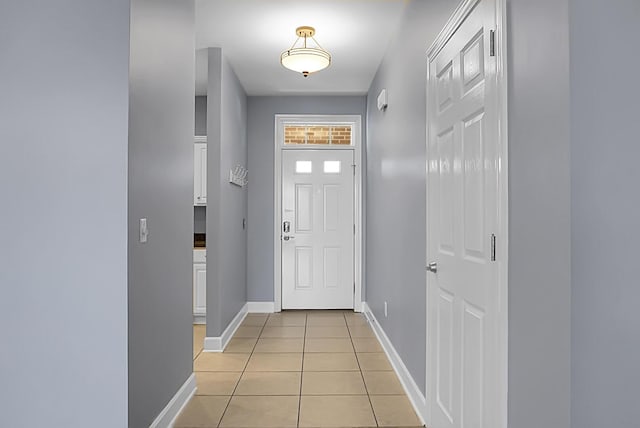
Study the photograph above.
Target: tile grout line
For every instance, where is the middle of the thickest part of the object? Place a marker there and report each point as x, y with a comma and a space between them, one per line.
243, 370
201, 347
197, 355
304, 344
375, 418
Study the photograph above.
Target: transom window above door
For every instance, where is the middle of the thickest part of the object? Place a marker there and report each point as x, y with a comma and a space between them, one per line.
317, 134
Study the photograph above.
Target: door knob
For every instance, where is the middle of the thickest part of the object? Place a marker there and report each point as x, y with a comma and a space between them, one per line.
432, 267
286, 238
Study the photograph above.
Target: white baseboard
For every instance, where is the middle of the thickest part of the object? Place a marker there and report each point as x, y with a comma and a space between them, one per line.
217, 344
261, 307
168, 415
416, 397
200, 319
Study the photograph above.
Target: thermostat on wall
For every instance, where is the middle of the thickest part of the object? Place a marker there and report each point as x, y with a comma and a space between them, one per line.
382, 100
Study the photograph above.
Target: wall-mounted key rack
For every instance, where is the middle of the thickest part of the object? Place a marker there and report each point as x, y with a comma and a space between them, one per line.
238, 176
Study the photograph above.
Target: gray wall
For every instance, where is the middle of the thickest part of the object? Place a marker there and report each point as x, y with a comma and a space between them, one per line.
201, 116
160, 189
227, 203
396, 182
63, 221
261, 127
539, 214
539, 202
605, 213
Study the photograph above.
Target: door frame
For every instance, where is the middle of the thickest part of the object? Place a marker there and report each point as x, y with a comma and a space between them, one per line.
279, 147
502, 239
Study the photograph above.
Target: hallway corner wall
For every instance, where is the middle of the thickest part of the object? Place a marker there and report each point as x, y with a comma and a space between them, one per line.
64, 101
226, 203
261, 143
605, 208
396, 185
539, 287
160, 189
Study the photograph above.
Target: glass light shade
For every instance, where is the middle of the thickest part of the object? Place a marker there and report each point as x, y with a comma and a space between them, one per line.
305, 60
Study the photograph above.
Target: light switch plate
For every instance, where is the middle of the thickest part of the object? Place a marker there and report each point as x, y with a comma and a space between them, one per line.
144, 231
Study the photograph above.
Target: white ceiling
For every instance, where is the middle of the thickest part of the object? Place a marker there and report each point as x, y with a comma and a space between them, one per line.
253, 34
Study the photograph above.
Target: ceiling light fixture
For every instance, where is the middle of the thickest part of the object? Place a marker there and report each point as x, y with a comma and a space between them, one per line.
305, 59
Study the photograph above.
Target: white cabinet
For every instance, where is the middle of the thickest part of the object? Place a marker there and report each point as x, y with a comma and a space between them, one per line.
199, 289
200, 174
199, 283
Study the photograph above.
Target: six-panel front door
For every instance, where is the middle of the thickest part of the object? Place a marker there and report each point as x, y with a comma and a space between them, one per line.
462, 207
317, 229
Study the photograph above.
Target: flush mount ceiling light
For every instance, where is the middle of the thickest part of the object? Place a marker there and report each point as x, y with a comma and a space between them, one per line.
304, 58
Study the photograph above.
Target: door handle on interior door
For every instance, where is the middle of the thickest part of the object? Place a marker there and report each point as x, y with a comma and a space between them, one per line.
286, 238
432, 267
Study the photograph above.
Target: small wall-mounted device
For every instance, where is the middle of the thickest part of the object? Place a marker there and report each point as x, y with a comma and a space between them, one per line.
144, 231
382, 100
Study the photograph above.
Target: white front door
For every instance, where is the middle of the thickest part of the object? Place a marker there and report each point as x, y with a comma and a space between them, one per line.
317, 229
462, 211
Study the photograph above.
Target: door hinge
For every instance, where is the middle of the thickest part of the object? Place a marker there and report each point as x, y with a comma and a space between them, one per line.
492, 43
354, 229
354, 169
493, 247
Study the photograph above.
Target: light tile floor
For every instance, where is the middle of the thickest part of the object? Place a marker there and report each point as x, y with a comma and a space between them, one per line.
311, 369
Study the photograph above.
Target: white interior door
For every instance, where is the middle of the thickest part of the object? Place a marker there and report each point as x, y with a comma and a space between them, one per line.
317, 229
462, 207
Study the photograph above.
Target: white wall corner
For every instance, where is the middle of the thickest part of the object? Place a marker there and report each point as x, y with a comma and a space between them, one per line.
218, 343
261, 307
416, 397
169, 414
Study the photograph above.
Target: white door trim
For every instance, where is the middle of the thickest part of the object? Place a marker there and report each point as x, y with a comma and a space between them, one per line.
458, 16
280, 121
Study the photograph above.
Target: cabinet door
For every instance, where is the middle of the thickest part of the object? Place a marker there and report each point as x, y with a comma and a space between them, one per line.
200, 174
199, 289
